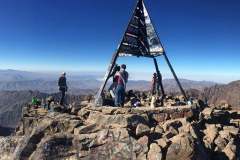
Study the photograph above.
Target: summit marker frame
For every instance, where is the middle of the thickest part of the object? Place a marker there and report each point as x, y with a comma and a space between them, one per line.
141, 40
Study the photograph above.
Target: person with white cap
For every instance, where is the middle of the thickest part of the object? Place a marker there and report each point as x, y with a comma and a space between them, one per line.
62, 83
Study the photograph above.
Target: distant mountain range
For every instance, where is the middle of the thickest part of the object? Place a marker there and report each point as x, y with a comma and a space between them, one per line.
229, 93
18, 87
12, 80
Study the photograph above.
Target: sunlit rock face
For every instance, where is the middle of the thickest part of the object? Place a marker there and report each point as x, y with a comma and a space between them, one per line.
82, 131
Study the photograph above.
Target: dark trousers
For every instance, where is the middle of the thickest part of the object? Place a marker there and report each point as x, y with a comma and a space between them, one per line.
62, 101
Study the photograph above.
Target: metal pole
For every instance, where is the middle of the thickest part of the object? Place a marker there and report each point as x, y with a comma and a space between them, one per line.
175, 76
106, 77
110, 68
168, 62
159, 76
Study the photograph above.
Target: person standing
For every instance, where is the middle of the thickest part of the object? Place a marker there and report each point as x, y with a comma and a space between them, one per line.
62, 83
113, 86
154, 84
122, 79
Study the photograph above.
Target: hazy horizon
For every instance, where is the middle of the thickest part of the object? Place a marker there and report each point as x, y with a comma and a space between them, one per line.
134, 75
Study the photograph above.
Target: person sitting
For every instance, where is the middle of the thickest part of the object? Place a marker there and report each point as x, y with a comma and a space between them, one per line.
122, 79
36, 102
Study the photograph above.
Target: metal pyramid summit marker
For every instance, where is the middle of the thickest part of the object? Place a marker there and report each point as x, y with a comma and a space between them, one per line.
140, 38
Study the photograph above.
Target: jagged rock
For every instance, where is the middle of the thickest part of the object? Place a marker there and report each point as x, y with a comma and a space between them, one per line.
142, 129
7, 146
86, 129
124, 133
29, 143
108, 110
142, 148
230, 150
220, 142
183, 147
85, 103
155, 152
177, 123
162, 142
115, 149
160, 117
235, 122
170, 133
207, 113
223, 105
84, 113
123, 111
73, 124
211, 133
75, 107
159, 130
187, 128
171, 127
54, 147
117, 120
231, 129
228, 132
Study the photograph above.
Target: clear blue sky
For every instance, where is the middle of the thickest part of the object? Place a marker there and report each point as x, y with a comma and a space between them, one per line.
201, 37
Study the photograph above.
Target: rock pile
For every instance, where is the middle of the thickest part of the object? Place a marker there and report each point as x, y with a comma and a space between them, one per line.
86, 132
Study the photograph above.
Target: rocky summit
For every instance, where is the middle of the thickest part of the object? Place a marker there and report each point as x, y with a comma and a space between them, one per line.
82, 131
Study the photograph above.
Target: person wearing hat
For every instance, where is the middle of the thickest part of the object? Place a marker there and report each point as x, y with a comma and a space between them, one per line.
62, 84
122, 79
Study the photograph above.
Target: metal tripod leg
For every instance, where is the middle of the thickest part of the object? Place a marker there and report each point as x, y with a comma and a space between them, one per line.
159, 79
175, 76
98, 96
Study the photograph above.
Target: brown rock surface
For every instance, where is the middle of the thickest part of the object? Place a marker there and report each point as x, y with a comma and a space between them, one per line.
105, 133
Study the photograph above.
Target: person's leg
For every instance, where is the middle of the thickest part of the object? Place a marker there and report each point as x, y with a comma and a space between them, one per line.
117, 94
62, 97
123, 97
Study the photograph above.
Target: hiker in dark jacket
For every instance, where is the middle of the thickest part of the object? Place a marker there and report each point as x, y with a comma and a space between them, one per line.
122, 79
62, 83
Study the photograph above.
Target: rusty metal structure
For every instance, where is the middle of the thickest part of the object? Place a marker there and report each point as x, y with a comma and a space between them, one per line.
140, 40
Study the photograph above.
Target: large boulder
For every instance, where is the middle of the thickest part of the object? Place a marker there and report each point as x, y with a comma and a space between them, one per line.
142, 129
185, 147
142, 148
211, 133
117, 120
155, 152
229, 132
207, 113
230, 150
55, 147
220, 142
